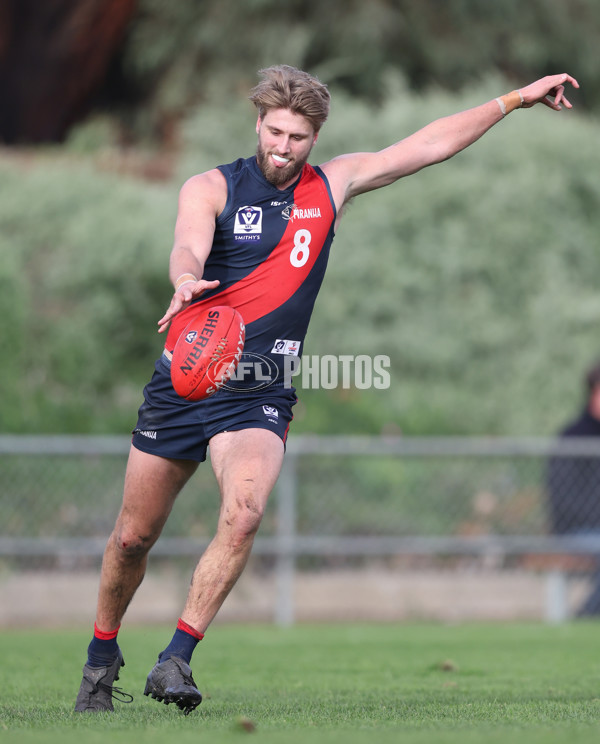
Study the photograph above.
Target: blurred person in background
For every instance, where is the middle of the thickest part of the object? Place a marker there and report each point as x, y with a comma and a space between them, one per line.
574, 483
257, 232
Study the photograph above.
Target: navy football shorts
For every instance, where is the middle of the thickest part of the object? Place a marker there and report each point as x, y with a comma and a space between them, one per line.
170, 426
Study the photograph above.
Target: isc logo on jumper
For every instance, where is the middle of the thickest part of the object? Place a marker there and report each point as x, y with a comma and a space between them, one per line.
248, 224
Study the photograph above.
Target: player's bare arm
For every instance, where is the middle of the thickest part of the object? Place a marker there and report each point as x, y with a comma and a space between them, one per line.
201, 199
357, 173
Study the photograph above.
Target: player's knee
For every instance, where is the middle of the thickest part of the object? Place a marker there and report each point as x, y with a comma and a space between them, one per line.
132, 544
243, 521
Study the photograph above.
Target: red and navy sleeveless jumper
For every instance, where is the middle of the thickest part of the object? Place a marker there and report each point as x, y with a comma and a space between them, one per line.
270, 252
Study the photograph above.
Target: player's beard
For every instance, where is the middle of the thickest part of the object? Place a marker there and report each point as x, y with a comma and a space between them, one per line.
274, 175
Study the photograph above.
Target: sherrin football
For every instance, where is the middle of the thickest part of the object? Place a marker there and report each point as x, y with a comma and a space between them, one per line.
207, 352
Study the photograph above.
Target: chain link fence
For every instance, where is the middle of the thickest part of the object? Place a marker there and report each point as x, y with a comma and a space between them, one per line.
341, 503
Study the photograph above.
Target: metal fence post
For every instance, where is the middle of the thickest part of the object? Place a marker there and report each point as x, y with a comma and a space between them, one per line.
285, 561
557, 604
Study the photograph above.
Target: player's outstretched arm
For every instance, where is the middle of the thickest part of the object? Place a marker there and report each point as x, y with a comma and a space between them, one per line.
357, 173
550, 91
201, 199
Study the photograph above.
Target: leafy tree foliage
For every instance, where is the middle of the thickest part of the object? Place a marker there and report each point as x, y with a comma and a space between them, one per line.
193, 51
477, 277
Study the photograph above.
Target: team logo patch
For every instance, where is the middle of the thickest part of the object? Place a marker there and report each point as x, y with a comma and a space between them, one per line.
248, 224
271, 411
285, 346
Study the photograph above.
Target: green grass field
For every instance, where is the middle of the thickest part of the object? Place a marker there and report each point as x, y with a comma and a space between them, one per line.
343, 683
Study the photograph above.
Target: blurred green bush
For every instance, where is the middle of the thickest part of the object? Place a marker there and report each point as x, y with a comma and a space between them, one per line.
478, 277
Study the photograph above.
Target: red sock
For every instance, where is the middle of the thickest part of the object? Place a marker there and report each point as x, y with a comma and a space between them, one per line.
183, 643
103, 648
181, 625
105, 636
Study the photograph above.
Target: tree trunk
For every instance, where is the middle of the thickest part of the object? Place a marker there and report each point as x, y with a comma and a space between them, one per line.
54, 55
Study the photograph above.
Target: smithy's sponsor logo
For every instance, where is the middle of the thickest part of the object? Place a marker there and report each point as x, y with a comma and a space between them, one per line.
248, 224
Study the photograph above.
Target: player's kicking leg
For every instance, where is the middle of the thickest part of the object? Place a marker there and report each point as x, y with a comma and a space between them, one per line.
151, 486
246, 464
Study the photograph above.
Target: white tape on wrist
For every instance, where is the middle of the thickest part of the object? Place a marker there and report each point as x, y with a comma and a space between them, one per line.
184, 279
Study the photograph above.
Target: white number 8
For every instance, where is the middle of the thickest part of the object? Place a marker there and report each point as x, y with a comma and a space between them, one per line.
300, 251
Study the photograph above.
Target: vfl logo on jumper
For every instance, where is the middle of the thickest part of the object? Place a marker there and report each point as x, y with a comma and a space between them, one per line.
253, 372
248, 224
293, 212
285, 346
271, 413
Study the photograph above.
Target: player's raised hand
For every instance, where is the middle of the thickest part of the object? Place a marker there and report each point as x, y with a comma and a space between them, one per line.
184, 294
550, 91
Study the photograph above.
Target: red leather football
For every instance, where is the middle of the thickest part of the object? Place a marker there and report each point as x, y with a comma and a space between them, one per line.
207, 352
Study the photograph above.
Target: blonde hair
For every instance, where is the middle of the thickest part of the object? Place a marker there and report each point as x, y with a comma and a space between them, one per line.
285, 87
